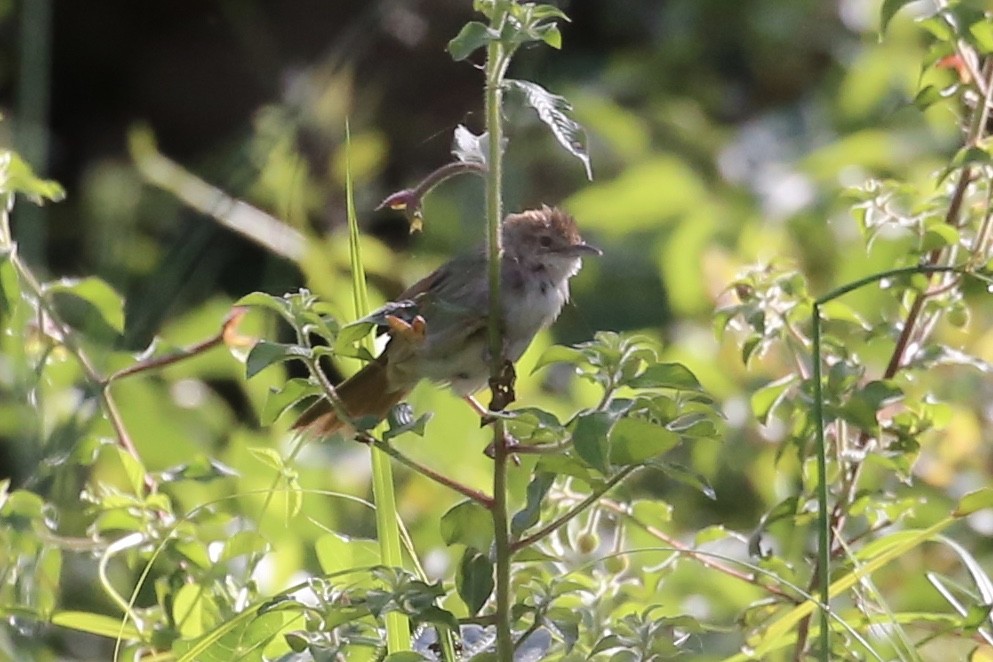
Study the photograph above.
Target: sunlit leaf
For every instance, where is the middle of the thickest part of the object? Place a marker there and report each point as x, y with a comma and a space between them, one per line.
467, 523
974, 501
468, 147
889, 10
98, 624
337, 552
553, 110
667, 375
633, 440
473, 35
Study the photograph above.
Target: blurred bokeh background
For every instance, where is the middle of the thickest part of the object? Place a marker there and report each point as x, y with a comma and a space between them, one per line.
721, 134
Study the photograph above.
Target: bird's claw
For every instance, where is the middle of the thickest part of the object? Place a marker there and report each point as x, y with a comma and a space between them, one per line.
413, 331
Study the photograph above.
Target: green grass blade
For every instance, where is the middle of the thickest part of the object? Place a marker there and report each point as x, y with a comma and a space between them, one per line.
397, 625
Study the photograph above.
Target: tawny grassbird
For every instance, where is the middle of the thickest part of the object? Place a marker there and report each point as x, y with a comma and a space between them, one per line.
441, 334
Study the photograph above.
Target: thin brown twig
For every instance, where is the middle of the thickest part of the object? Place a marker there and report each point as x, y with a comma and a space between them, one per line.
703, 559
576, 510
475, 495
68, 340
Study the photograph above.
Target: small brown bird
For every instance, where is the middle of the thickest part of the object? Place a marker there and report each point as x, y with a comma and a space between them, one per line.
439, 329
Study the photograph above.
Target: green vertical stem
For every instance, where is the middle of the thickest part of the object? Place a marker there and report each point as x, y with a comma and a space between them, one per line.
496, 65
823, 516
388, 533
32, 117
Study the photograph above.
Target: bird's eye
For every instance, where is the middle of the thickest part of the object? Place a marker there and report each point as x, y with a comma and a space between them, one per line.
545, 241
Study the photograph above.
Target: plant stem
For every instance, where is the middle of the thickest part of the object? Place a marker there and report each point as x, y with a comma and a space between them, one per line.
68, 340
427, 472
496, 65
578, 509
823, 519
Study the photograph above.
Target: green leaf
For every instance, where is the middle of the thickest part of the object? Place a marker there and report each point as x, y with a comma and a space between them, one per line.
982, 35
634, 440
474, 580
16, 176
939, 235
89, 305
765, 399
551, 35
400, 420
268, 457
561, 354
271, 302
280, 399
589, 438
685, 476
888, 11
472, 36
667, 375
467, 523
266, 353
202, 469
529, 515
242, 543
553, 110
974, 501
467, 147
338, 553
864, 405
404, 656
98, 624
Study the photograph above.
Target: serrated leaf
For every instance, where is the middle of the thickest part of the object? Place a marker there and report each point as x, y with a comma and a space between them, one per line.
634, 440
472, 36
467, 523
474, 580
467, 147
553, 110
266, 353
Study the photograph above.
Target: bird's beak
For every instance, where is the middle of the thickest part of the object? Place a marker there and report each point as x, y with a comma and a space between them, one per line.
582, 247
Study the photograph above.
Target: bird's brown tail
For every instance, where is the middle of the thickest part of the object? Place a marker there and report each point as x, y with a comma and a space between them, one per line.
366, 393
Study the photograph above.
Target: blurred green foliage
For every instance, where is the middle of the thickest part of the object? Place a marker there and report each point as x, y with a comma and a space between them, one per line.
747, 157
